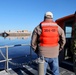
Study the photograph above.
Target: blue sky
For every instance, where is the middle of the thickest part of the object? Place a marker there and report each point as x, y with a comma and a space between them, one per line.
27, 14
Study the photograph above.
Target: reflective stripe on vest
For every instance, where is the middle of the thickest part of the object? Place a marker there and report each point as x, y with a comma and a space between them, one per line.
49, 35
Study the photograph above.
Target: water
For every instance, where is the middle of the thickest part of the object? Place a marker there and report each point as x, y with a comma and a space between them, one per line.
20, 54
14, 40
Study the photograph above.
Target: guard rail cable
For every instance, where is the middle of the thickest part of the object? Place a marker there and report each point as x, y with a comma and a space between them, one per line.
15, 64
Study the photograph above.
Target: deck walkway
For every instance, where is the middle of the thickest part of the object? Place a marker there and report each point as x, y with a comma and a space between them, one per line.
32, 70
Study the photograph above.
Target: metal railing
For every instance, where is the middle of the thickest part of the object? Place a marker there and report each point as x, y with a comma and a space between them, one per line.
7, 59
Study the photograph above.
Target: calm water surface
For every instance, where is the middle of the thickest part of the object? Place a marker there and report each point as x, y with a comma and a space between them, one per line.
14, 40
20, 54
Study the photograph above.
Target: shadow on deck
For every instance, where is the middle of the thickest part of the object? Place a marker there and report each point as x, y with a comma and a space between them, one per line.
33, 70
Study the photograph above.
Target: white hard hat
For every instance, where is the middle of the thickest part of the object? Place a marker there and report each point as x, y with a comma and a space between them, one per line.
47, 14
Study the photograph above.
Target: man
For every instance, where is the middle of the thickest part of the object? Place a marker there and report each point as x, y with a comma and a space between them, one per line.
47, 40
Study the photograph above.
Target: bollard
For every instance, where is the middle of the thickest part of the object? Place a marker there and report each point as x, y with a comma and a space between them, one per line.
41, 67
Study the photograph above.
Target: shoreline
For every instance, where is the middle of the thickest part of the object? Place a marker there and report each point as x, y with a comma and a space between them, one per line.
19, 34
16, 34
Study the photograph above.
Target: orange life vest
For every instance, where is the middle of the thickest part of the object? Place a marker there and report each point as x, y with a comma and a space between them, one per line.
49, 35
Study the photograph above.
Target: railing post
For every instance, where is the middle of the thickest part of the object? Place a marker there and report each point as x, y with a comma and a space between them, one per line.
6, 64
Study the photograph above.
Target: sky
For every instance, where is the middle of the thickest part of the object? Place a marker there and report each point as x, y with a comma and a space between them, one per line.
27, 14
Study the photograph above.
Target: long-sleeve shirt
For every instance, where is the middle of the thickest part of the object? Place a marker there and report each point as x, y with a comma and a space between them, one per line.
51, 51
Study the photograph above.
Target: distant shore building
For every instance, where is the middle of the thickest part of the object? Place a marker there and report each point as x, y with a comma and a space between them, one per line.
22, 31
17, 33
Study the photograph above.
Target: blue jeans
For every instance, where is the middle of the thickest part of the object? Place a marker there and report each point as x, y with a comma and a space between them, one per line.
53, 64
